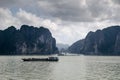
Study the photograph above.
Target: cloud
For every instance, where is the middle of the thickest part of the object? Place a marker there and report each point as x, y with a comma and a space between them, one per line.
116, 1
99, 9
6, 3
28, 18
81, 10
70, 10
67, 10
7, 19
23, 17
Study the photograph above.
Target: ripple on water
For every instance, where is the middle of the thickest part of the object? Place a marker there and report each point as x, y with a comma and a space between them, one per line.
68, 68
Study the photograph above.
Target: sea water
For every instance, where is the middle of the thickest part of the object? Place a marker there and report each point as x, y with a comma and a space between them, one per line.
67, 68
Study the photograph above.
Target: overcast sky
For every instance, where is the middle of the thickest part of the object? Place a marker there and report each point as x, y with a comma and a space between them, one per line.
68, 20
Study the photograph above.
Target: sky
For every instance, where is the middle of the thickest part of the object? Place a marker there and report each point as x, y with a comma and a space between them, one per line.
68, 20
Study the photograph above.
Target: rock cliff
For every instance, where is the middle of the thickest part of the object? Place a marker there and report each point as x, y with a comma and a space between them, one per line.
101, 42
27, 40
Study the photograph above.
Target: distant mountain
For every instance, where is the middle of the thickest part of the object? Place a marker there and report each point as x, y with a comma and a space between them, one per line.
101, 42
27, 40
62, 47
76, 47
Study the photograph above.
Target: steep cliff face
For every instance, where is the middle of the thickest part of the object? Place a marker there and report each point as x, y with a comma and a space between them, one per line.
27, 40
117, 44
93, 42
101, 42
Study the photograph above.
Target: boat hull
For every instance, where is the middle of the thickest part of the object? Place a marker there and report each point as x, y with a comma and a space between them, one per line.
39, 59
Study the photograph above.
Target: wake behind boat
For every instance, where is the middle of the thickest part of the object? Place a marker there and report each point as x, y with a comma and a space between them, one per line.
41, 59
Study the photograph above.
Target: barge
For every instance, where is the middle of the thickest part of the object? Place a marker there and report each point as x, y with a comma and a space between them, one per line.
41, 59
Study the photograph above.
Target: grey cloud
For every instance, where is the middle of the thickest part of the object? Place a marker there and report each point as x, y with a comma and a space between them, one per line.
68, 10
104, 10
14, 5
6, 3
95, 7
80, 10
116, 1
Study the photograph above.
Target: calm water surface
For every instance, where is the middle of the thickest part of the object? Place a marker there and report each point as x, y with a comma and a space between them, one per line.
68, 68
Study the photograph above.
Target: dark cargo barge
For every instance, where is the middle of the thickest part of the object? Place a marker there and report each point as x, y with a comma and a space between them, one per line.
41, 59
